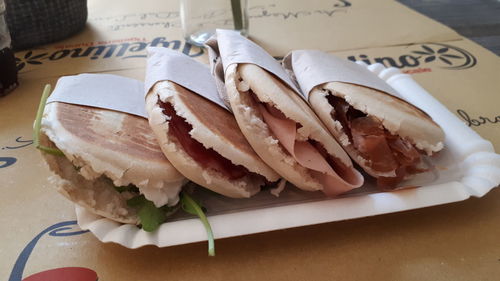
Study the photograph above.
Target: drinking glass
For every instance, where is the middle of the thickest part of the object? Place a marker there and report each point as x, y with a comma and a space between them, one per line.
200, 18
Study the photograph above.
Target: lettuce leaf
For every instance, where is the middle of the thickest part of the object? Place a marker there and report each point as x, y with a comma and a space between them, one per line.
38, 124
129, 188
150, 216
189, 205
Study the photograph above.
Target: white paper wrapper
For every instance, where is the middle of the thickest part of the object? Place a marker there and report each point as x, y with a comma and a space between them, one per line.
312, 68
166, 64
124, 95
101, 90
229, 47
468, 164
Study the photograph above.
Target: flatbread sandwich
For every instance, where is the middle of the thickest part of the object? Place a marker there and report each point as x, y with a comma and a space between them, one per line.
105, 160
199, 137
278, 123
387, 136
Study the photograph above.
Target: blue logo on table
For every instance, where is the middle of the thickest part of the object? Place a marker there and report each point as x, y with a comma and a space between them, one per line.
9, 161
444, 56
61, 229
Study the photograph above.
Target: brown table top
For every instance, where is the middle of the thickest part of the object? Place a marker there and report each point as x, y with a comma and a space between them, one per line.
457, 241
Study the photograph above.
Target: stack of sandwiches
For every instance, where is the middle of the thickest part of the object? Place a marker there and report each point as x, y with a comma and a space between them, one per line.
250, 127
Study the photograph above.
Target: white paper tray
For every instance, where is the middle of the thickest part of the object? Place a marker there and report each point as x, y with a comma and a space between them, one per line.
468, 166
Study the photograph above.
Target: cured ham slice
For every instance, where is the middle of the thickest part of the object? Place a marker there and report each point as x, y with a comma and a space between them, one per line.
207, 158
383, 151
368, 137
333, 175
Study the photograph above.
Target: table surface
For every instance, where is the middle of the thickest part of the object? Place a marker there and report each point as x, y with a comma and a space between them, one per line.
457, 241
478, 20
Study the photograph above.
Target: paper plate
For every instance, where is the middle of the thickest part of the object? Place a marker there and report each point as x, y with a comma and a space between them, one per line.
468, 166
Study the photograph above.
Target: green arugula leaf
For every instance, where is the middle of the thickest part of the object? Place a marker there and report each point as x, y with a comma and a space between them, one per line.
151, 217
137, 201
191, 206
38, 124
129, 188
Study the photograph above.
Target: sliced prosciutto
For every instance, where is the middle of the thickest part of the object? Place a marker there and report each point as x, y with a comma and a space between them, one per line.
334, 176
384, 152
207, 158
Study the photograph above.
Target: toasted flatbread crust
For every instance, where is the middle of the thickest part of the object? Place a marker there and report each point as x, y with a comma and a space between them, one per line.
397, 116
116, 145
270, 90
98, 195
215, 128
